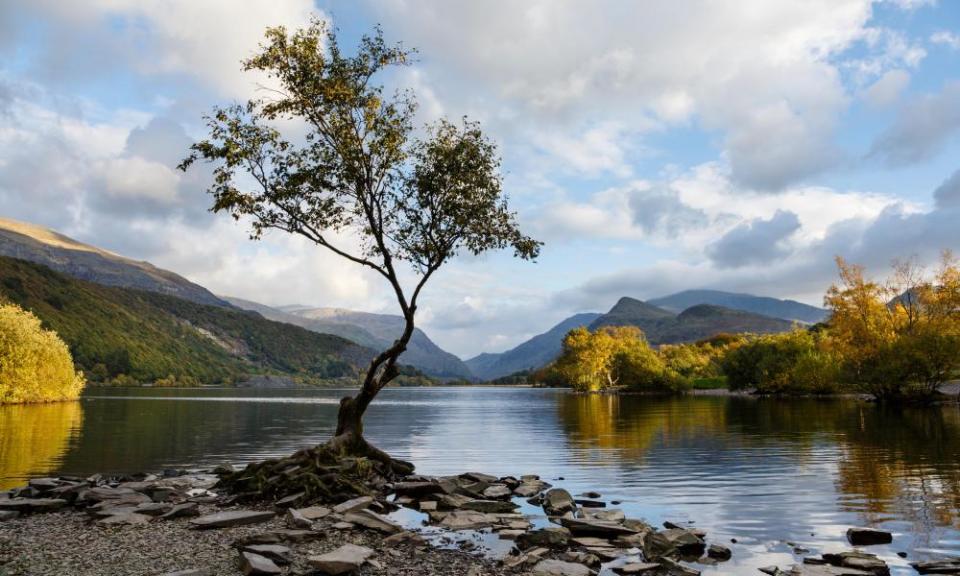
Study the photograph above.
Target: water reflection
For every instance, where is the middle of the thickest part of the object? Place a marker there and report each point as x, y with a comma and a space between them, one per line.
34, 438
762, 471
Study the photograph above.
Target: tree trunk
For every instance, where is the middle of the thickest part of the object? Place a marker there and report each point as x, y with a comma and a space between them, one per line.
382, 370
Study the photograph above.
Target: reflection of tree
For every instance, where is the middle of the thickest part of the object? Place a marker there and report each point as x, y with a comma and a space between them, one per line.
903, 462
34, 437
632, 424
894, 463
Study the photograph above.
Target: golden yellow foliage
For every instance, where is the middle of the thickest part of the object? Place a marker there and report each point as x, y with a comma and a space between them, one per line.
35, 364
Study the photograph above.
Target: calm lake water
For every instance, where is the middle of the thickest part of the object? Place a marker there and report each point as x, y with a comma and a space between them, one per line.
764, 472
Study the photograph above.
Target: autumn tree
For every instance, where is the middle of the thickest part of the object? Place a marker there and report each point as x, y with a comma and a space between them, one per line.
358, 181
898, 337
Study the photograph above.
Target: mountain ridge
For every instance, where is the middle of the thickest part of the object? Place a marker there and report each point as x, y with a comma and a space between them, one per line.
765, 305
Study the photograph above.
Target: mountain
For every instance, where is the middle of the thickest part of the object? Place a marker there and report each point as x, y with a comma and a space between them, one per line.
348, 331
66, 255
786, 309
695, 323
150, 336
422, 353
534, 353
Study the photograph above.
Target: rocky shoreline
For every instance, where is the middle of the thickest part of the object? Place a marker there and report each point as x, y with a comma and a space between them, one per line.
178, 524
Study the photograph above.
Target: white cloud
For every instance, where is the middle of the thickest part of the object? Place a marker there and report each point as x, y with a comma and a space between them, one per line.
946, 38
136, 178
205, 40
921, 129
760, 73
887, 89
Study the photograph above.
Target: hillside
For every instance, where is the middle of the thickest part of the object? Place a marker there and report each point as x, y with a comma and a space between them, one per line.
695, 323
63, 254
534, 353
349, 331
422, 353
773, 307
149, 336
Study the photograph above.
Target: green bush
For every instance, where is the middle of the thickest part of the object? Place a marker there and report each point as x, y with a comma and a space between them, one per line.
789, 363
35, 364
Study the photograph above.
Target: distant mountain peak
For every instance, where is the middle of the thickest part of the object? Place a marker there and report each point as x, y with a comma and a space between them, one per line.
765, 305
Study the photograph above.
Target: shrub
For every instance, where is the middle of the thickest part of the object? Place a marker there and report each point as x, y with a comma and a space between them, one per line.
35, 364
790, 363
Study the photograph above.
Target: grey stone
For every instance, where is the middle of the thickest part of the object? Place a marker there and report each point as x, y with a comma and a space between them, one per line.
479, 477
153, 508
374, 521
8, 515
719, 552
489, 506
127, 519
294, 519
497, 492
551, 567
256, 565
232, 518
591, 527
314, 512
551, 537
344, 560
417, 489
405, 537
556, 501
353, 505
636, 568
32, 504
185, 510
939, 566
467, 520
279, 554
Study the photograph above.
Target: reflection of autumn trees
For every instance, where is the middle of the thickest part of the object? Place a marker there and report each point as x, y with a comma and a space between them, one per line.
895, 462
34, 437
632, 424
905, 463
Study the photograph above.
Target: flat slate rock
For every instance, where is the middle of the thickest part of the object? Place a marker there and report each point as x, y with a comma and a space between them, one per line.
232, 518
374, 521
256, 565
344, 560
636, 568
278, 554
353, 504
591, 527
560, 568
32, 504
941, 566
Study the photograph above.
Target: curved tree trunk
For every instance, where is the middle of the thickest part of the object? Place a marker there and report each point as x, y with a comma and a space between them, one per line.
348, 438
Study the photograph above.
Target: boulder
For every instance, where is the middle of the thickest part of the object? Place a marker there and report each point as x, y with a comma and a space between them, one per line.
557, 501
674, 541
232, 518
590, 503
612, 515
528, 489
868, 536
497, 492
718, 552
153, 508
344, 560
372, 520
552, 537
585, 558
452, 501
488, 506
256, 565
353, 505
551, 567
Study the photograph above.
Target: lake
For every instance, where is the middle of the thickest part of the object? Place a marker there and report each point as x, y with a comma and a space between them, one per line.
764, 472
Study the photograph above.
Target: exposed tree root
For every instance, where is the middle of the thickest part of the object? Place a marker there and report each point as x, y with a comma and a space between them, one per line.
343, 468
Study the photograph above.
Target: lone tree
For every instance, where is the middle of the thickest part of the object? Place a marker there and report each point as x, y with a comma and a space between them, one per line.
358, 171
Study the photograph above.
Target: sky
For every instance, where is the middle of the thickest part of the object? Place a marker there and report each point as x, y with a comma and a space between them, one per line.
652, 146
